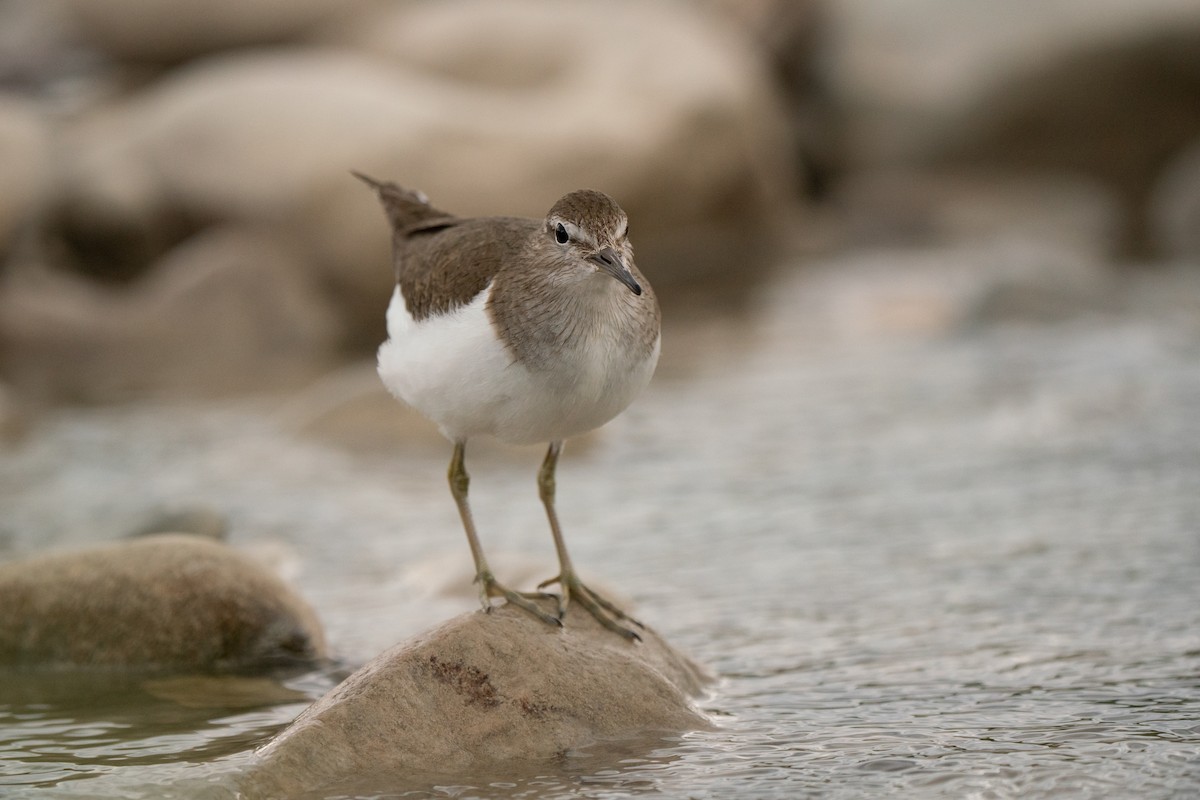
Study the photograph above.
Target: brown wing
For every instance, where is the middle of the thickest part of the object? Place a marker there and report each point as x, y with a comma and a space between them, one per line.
443, 266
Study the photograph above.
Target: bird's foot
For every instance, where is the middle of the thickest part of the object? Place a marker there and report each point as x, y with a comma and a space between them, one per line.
605, 612
489, 587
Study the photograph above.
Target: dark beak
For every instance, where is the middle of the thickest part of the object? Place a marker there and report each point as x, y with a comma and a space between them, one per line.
610, 262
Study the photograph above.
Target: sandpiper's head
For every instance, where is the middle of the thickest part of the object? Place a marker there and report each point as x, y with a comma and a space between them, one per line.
589, 228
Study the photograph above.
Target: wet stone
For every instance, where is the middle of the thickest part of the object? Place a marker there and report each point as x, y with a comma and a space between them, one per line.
489, 692
170, 602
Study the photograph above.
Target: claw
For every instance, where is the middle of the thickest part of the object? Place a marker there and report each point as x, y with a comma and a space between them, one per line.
604, 611
489, 587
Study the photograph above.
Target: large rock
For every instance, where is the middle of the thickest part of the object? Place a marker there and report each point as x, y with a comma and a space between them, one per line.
228, 310
487, 109
24, 165
173, 30
164, 602
794, 38
492, 692
1175, 207
908, 73
13, 421
1105, 89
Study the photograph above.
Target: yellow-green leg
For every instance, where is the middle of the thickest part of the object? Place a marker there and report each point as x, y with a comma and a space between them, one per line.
567, 579
489, 587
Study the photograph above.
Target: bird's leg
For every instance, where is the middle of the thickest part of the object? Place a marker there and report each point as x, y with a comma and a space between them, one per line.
567, 579
489, 587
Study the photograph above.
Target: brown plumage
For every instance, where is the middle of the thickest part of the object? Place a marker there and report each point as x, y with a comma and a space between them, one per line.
442, 262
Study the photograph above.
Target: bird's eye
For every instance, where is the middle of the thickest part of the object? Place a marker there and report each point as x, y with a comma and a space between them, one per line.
560, 234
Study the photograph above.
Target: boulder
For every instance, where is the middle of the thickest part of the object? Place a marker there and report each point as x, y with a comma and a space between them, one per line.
14, 422
682, 123
174, 30
908, 73
1104, 89
488, 109
168, 602
1175, 207
24, 165
494, 692
228, 310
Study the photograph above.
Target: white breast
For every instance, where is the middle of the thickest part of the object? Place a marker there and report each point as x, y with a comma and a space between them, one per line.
454, 370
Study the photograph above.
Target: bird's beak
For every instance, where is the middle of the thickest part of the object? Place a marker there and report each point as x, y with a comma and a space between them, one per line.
609, 261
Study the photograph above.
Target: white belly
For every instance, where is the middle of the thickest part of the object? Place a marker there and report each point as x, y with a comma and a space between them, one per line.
454, 370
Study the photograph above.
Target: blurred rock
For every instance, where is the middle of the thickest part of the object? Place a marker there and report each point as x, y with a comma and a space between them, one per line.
24, 165
1116, 112
946, 290
164, 602
229, 310
200, 521
41, 56
1048, 295
174, 30
794, 38
13, 420
909, 206
1175, 207
492, 692
351, 408
1107, 89
909, 72
488, 109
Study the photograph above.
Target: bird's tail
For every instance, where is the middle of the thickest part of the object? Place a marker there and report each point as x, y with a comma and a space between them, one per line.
408, 210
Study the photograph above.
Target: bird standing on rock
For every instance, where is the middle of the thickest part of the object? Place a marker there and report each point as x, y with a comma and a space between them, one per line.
527, 330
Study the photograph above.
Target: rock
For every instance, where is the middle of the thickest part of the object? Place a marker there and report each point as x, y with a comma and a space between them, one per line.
160, 30
487, 109
938, 292
173, 602
228, 310
1175, 208
794, 37
682, 123
492, 692
1104, 89
1115, 112
13, 418
350, 408
908, 206
25, 165
201, 521
908, 72
42, 57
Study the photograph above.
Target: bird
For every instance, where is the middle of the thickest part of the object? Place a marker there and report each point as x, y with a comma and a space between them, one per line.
530, 331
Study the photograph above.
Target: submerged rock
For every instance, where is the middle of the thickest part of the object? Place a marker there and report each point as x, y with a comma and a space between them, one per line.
171, 601
483, 691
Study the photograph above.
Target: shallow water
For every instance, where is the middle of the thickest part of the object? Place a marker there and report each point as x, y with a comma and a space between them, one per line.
933, 563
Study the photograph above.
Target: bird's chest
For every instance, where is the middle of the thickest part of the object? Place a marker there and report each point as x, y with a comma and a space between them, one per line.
589, 352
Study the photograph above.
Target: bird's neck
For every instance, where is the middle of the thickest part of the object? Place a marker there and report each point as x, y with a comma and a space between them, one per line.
574, 314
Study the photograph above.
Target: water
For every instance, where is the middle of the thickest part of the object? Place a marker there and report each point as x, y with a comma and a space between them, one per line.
926, 562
